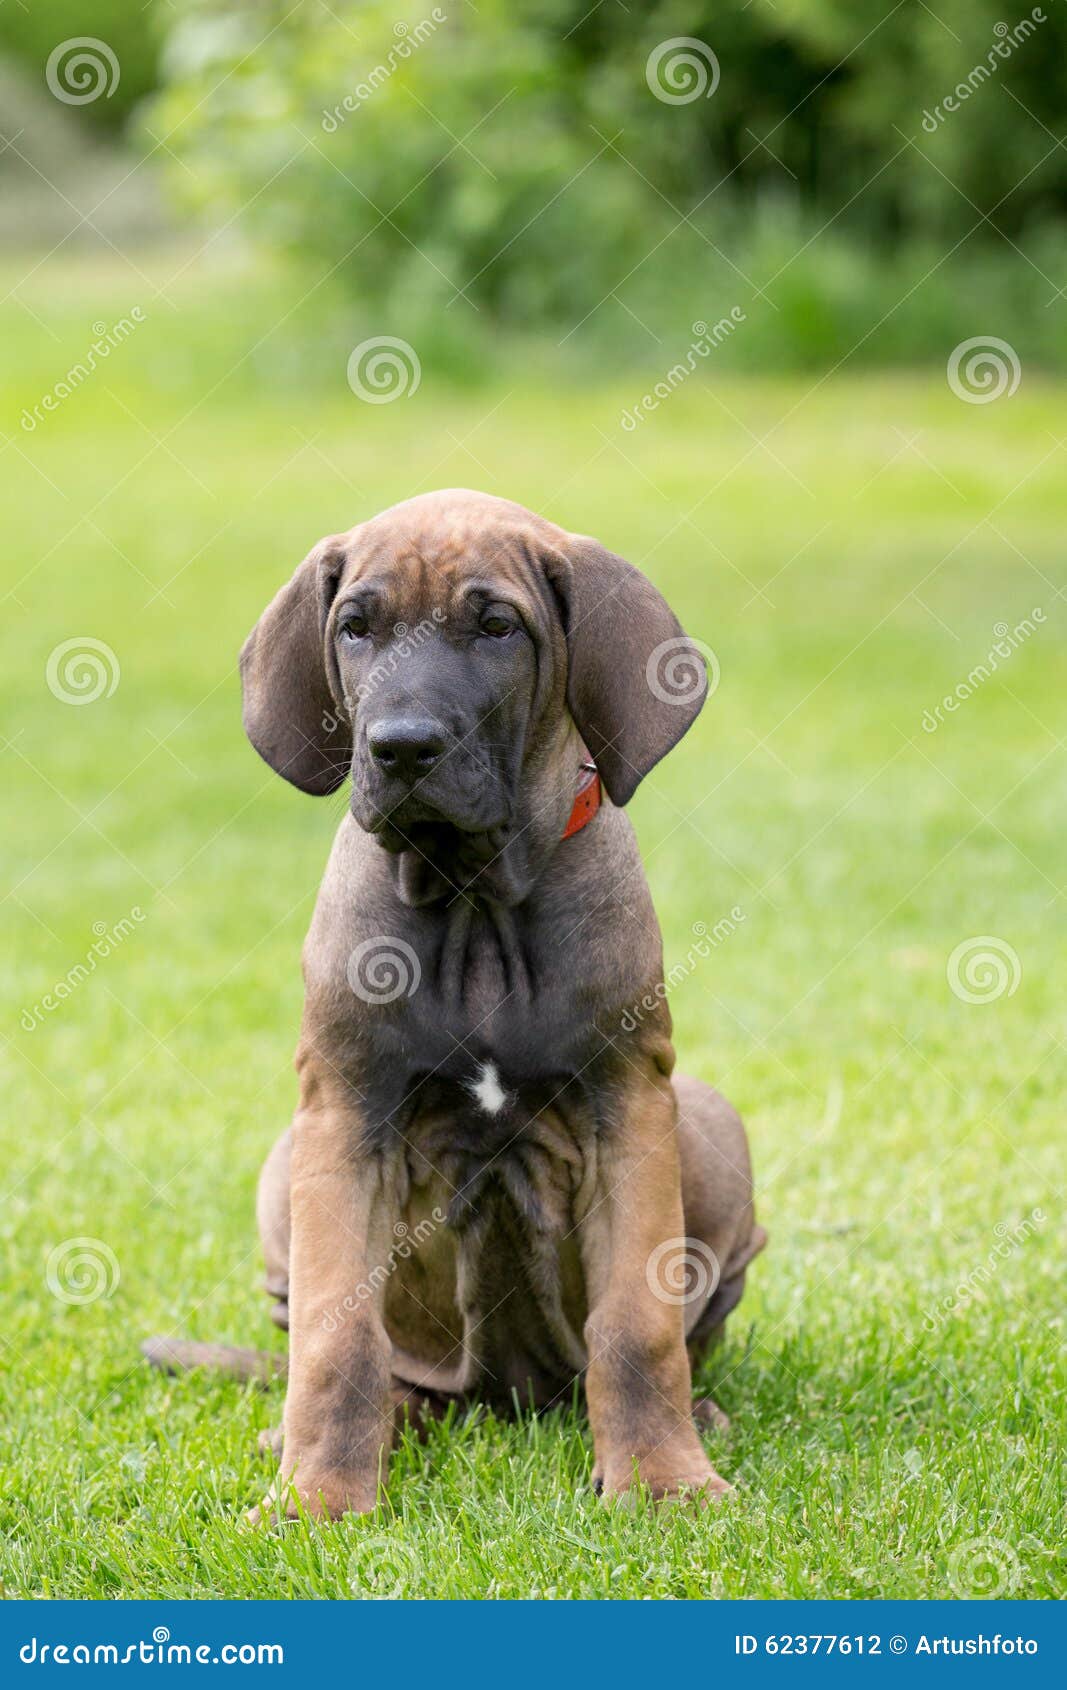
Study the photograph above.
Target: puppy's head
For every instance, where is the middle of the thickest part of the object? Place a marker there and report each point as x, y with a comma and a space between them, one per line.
443, 655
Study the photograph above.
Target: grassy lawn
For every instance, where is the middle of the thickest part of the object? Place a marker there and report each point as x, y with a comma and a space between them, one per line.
848, 549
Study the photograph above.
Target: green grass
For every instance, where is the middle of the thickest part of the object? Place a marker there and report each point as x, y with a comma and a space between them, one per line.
846, 579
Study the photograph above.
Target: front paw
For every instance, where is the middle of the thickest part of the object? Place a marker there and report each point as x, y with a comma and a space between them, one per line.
324, 1493
671, 1473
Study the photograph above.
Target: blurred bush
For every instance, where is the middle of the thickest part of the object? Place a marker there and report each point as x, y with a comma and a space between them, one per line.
454, 166
30, 33
63, 184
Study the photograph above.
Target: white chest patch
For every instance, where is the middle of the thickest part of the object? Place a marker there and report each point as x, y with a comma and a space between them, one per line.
487, 1090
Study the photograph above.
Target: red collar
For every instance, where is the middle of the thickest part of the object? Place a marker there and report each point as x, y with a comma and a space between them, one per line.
586, 799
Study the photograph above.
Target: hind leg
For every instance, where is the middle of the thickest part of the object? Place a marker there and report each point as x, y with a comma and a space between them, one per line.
719, 1215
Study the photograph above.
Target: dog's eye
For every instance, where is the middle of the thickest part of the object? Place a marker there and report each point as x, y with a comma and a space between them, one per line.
497, 624
354, 626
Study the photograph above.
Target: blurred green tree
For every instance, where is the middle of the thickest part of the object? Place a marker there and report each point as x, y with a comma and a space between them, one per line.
30, 34
537, 162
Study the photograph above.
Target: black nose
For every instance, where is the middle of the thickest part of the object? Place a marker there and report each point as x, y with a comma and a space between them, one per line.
406, 746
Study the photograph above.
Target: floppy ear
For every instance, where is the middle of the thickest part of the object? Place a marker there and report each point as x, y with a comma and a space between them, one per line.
289, 711
635, 681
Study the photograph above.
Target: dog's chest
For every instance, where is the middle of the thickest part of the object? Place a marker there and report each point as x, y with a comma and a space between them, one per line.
488, 1135
504, 1091
509, 1187
496, 1033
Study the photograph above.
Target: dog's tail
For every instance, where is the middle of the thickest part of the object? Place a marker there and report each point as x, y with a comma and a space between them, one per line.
181, 1355
413, 1407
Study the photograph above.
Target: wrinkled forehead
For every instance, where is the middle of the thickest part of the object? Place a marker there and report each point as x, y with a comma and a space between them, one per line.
427, 557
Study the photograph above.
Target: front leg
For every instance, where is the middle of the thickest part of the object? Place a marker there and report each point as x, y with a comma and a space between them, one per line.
638, 1384
338, 1421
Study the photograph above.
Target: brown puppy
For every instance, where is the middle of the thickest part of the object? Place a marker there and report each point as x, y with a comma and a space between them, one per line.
492, 1185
